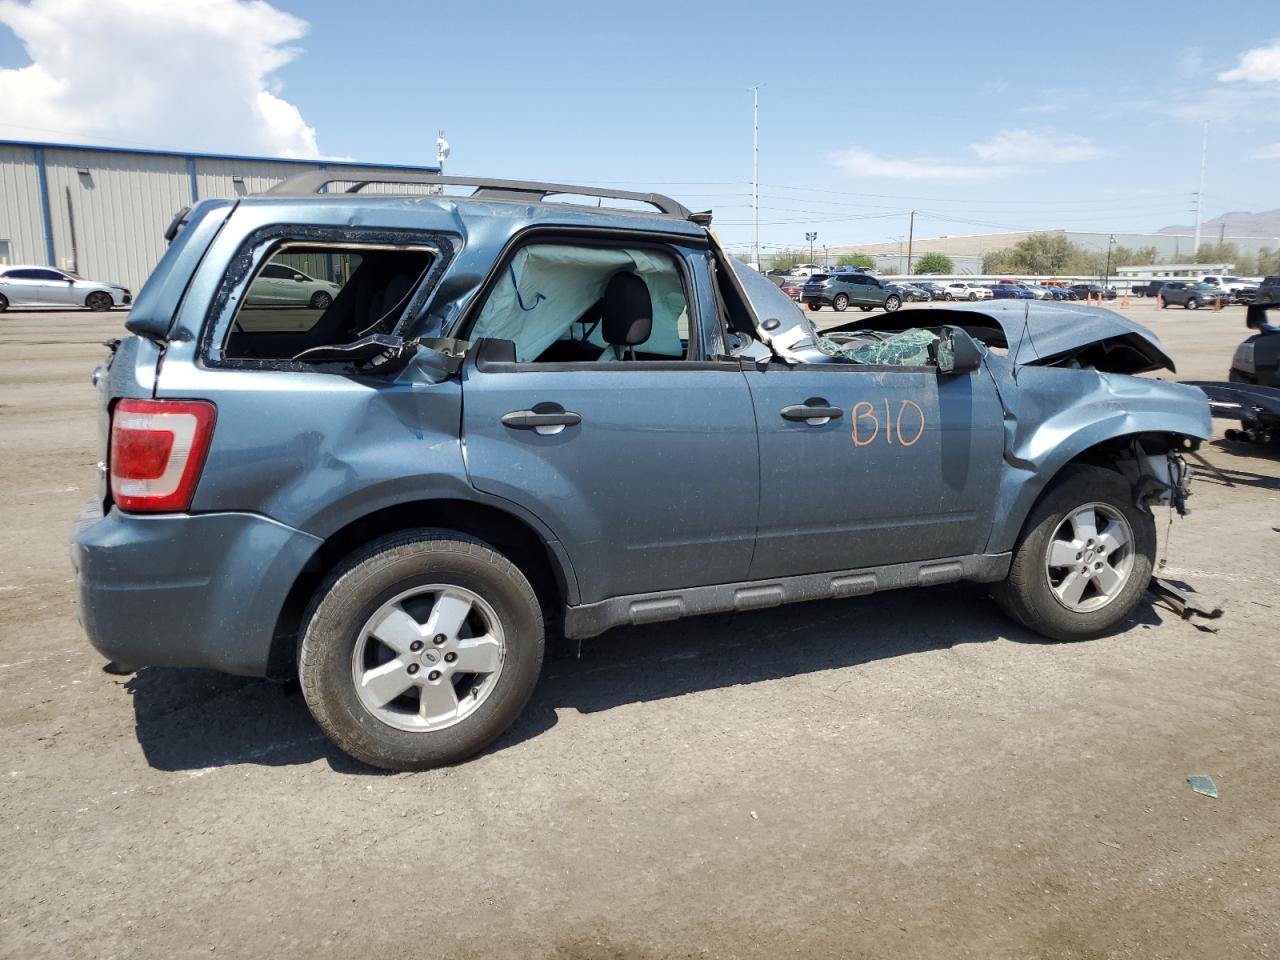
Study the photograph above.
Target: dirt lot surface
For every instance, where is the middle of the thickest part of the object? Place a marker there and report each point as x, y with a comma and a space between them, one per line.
905, 775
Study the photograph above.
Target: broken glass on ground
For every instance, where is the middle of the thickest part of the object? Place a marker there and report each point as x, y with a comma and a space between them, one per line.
1203, 784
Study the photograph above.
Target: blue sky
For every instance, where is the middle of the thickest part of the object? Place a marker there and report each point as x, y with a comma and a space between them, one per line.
981, 117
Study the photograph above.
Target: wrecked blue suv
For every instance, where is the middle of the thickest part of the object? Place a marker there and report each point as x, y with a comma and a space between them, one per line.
510, 416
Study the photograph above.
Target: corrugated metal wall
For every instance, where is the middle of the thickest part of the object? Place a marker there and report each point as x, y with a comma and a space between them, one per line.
20, 221
120, 207
121, 203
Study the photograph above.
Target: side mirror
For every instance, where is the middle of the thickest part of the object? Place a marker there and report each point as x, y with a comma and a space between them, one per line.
957, 352
299, 278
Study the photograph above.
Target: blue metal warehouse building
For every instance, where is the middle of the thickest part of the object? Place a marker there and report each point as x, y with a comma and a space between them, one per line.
101, 211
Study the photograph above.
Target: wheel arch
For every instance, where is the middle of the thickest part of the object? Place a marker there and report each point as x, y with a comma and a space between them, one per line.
543, 561
1088, 447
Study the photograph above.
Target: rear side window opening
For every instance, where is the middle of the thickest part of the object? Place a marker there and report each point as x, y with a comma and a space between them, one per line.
305, 295
552, 300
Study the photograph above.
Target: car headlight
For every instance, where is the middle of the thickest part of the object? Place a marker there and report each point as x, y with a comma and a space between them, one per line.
1243, 359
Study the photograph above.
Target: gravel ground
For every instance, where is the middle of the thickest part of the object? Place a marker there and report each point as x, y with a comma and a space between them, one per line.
903, 775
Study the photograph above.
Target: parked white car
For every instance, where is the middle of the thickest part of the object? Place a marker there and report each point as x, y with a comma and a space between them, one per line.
281, 285
959, 290
32, 286
807, 270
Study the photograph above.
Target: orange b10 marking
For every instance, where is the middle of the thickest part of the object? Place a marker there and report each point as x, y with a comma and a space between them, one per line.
867, 423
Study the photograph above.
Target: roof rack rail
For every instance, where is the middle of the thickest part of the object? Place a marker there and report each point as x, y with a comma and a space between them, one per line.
315, 181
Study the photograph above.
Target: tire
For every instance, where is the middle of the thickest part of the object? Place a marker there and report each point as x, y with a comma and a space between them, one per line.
1164, 304
947, 296
973, 297
840, 304
1028, 593
815, 307
892, 303
339, 626
4, 303
99, 301
1193, 304
320, 300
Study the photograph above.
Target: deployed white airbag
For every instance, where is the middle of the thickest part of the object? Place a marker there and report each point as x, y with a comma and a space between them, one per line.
547, 287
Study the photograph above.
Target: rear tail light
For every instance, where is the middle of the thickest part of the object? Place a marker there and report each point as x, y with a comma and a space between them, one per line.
157, 451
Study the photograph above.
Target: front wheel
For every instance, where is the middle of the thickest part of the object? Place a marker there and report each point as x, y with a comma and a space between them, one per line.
1083, 558
99, 301
840, 303
973, 297
421, 650
891, 304
1193, 304
4, 303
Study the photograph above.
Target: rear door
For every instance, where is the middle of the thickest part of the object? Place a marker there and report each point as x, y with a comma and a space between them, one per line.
646, 469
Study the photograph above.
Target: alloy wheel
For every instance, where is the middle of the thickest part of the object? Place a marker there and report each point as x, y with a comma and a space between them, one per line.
428, 658
1089, 558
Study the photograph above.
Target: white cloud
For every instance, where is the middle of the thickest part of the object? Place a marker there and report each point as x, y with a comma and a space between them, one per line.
191, 74
1009, 151
1259, 65
1269, 152
1036, 147
864, 163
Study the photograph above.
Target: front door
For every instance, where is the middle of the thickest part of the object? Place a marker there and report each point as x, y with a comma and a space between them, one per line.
863, 466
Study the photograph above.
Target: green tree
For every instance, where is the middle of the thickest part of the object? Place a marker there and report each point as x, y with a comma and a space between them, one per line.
1217, 253
857, 260
1268, 261
934, 263
786, 259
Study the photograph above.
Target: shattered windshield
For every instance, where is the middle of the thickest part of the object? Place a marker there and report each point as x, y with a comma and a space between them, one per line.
914, 347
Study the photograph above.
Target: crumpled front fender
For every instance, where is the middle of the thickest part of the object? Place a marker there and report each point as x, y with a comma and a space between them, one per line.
1053, 415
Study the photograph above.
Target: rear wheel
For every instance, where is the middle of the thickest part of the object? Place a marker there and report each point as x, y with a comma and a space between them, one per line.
840, 303
892, 303
1083, 558
320, 300
947, 296
4, 303
421, 650
1164, 304
1193, 304
99, 301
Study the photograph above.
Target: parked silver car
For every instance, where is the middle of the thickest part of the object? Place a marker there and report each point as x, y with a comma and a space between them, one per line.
23, 286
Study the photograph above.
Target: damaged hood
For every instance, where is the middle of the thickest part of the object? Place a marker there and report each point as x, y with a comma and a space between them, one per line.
1041, 334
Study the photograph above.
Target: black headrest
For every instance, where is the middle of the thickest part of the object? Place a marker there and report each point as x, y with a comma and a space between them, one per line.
626, 311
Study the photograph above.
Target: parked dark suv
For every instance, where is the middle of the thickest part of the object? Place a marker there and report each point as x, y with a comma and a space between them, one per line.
1192, 296
843, 290
515, 416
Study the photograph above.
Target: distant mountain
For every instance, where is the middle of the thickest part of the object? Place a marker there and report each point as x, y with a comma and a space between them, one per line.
1238, 224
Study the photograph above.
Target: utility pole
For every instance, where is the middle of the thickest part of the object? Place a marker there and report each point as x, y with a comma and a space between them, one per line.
755, 175
911, 232
1204, 153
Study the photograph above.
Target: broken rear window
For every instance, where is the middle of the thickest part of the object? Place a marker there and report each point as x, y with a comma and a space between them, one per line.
315, 295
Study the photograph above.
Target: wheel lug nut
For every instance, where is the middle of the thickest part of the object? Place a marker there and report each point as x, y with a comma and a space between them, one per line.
450, 657
416, 646
413, 668
433, 675
438, 639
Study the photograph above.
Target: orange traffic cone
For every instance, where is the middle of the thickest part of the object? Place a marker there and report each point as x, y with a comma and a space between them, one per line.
1217, 304
1124, 301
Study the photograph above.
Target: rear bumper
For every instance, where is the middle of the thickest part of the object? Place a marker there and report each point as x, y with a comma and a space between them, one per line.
185, 590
